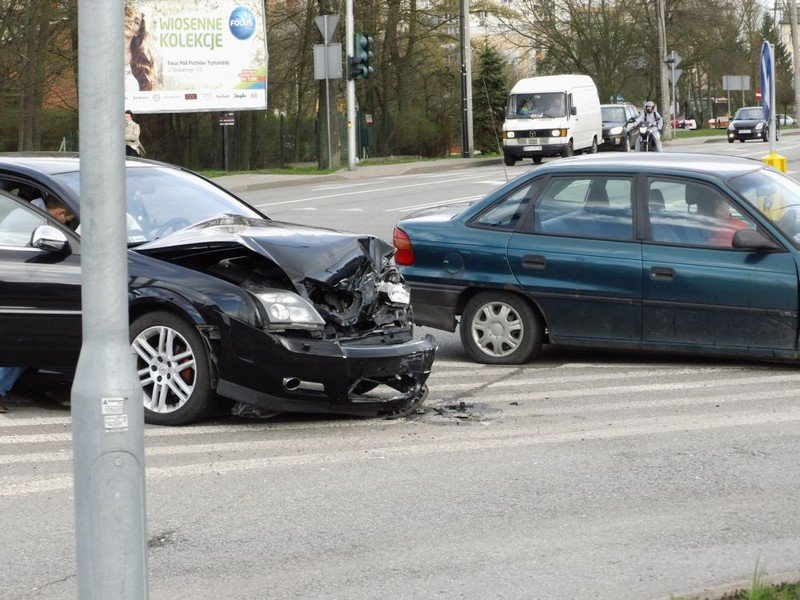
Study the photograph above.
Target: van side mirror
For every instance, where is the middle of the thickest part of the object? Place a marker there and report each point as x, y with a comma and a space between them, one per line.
750, 239
573, 110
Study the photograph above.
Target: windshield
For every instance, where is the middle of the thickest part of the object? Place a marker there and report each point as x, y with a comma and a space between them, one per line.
613, 113
749, 113
162, 200
774, 195
526, 106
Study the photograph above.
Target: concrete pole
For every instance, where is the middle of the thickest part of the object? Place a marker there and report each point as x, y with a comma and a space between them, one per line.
107, 411
466, 81
795, 56
662, 67
349, 27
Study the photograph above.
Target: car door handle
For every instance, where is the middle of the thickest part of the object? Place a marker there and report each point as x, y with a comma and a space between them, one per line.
662, 273
531, 261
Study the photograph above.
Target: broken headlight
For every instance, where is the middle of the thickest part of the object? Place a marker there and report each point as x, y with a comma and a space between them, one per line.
286, 310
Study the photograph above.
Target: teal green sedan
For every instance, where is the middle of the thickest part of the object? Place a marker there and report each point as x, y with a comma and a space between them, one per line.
666, 252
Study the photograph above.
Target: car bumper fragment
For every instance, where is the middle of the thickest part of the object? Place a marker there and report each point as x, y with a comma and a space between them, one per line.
285, 374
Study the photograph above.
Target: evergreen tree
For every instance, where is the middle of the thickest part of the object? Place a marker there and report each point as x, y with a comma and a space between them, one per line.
489, 93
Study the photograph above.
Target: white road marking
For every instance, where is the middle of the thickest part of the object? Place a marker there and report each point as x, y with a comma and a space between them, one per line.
487, 439
432, 204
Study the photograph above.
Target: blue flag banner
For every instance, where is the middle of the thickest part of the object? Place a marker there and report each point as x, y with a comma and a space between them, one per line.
767, 74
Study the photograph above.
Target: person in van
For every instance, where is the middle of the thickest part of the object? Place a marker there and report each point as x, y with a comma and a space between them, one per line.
652, 118
525, 108
556, 108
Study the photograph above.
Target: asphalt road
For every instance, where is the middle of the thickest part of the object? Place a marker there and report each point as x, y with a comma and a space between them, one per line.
581, 475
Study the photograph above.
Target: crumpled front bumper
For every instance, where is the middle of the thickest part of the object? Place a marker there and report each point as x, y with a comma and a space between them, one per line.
284, 374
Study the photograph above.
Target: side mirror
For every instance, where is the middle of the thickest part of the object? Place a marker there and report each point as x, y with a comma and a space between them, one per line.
573, 110
49, 239
751, 239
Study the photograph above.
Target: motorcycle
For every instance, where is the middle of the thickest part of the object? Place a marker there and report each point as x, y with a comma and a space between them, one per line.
647, 142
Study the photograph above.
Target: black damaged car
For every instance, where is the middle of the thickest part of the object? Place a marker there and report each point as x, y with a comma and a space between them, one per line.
226, 305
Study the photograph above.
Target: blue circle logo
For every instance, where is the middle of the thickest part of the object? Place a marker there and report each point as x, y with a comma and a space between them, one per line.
242, 23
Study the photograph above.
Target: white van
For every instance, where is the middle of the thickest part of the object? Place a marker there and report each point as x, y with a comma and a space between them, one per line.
551, 115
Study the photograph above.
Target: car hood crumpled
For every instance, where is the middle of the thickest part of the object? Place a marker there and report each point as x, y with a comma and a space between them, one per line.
323, 255
348, 277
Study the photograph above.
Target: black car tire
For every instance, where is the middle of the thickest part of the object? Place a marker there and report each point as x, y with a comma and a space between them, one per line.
731, 140
537, 160
568, 150
509, 160
187, 387
777, 134
742, 140
512, 318
593, 147
625, 146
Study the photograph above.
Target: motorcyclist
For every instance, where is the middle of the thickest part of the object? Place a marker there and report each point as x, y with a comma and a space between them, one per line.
653, 120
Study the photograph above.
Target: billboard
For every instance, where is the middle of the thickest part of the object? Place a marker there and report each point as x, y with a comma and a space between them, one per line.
195, 55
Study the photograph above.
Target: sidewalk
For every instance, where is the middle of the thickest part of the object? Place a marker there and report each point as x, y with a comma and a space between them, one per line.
248, 182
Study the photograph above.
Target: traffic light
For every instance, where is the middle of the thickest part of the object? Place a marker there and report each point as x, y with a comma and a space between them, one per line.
359, 63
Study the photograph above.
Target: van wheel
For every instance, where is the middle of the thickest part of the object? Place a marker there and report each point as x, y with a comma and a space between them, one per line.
173, 367
509, 160
500, 328
537, 160
568, 150
593, 149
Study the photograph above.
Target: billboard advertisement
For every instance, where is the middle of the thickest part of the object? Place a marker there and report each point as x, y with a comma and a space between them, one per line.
195, 55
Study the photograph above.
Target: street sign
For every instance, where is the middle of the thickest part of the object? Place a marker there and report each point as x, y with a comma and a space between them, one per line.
766, 78
227, 119
327, 25
674, 75
674, 59
735, 83
327, 61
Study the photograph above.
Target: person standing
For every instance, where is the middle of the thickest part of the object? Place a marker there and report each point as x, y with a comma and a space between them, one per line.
133, 147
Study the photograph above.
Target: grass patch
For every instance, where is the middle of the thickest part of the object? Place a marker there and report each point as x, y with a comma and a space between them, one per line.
301, 170
689, 133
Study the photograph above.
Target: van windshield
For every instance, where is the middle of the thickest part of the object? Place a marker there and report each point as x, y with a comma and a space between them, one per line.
526, 106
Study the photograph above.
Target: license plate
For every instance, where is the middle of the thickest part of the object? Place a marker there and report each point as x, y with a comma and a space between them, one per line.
744, 131
531, 148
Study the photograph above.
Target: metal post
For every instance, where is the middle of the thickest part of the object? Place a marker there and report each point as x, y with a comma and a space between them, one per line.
773, 137
327, 98
283, 138
349, 31
107, 412
225, 147
466, 84
673, 109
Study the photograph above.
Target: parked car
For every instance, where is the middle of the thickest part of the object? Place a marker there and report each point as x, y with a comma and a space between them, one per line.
223, 301
619, 132
668, 252
683, 123
749, 123
784, 119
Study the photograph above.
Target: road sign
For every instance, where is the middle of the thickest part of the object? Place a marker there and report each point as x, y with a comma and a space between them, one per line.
674, 59
327, 25
767, 74
735, 83
674, 75
227, 119
327, 61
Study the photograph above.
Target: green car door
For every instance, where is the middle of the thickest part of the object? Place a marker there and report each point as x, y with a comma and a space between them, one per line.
700, 291
578, 259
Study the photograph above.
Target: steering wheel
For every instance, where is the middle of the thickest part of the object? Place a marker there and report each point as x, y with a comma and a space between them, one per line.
174, 224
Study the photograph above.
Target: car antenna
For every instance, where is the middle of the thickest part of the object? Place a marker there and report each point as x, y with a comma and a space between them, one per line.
494, 128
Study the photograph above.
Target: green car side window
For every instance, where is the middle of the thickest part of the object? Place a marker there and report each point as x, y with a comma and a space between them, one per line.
506, 213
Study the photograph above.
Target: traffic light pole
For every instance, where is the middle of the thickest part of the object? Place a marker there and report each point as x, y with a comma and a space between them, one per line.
349, 27
466, 81
107, 410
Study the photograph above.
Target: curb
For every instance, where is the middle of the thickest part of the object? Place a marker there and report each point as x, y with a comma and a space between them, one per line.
397, 169
718, 592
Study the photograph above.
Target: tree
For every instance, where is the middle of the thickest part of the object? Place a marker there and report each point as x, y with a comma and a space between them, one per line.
489, 92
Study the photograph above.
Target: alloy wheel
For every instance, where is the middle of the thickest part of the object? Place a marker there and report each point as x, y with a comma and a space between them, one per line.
166, 367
